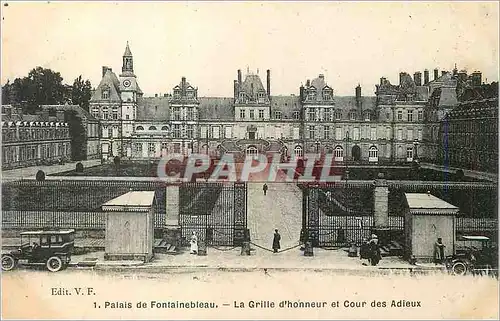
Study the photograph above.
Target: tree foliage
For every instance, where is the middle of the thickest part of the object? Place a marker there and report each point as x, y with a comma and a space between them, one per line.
45, 87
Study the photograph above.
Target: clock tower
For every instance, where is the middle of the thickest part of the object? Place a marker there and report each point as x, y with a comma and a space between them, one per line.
128, 81
129, 92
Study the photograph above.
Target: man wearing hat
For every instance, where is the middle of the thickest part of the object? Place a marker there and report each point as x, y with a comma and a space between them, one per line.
374, 250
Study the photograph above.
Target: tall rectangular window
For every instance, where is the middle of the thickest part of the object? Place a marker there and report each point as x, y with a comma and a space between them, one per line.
326, 132
296, 115
400, 115
177, 131
261, 113
327, 114
410, 115
277, 114
252, 114
400, 134
190, 131
356, 133
373, 133
419, 137
311, 115
312, 130
409, 134
420, 115
338, 133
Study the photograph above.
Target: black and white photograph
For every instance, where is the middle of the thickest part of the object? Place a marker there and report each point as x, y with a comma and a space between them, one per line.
249, 160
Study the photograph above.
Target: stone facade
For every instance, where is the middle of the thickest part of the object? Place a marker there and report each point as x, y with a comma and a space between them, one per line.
399, 124
29, 140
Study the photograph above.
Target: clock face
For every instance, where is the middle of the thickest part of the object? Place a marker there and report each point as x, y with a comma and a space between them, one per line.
126, 83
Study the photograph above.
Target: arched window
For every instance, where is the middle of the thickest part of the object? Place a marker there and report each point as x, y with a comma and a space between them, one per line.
252, 151
338, 153
373, 154
139, 128
164, 128
152, 128
298, 151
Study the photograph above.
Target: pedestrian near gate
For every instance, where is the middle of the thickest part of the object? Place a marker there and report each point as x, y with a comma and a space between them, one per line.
264, 188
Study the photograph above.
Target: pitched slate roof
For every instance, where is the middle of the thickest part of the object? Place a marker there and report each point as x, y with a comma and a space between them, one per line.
286, 104
153, 108
111, 82
79, 110
127, 51
252, 82
349, 102
448, 97
216, 108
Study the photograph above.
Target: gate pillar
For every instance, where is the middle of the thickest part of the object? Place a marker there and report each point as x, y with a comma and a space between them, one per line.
172, 230
381, 210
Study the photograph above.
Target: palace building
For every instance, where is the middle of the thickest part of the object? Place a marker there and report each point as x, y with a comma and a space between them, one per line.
401, 123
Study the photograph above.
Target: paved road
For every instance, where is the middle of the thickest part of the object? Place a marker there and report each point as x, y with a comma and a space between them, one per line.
280, 209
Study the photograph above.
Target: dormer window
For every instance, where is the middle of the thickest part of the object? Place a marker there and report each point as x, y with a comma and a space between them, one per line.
242, 97
177, 93
352, 115
105, 93
190, 94
277, 114
311, 94
327, 94
368, 116
261, 97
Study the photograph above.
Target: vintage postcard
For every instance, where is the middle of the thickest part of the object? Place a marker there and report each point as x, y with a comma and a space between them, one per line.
249, 160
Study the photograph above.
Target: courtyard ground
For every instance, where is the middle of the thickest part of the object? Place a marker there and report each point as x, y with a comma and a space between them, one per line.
30, 172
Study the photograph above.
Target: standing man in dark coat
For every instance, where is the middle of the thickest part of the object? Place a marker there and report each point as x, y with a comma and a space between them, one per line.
264, 188
276, 241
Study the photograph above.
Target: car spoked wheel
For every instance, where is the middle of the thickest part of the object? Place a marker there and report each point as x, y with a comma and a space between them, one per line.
8, 263
54, 264
459, 268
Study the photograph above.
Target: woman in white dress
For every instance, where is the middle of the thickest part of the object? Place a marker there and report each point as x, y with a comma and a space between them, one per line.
194, 243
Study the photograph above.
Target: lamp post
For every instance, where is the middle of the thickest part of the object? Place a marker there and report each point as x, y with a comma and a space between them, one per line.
346, 148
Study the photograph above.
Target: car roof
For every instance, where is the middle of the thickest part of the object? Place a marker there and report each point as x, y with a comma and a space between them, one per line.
475, 238
49, 232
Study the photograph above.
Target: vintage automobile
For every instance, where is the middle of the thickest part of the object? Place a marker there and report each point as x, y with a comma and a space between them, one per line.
51, 248
473, 254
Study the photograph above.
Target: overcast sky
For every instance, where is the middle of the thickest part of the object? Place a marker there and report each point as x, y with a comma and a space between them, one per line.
350, 43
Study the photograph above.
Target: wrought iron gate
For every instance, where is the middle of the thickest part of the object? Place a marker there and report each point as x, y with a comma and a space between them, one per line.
217, 212
326, 222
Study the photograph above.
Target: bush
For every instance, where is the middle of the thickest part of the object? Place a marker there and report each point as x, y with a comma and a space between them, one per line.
79, 167
40, 175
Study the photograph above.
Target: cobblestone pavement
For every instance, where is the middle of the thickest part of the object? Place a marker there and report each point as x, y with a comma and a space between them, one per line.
30, 172
280, 209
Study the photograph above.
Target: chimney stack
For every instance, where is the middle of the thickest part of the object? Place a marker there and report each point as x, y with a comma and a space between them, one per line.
308, 83
443, 73
183, 86
417, 77
358, 96
358, 92
239, 76
436, 74
301, 93
269, 83
236, 89
104, 69
426, 77
401, 75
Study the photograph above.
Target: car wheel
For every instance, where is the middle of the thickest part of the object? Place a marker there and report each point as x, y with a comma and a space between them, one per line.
459, 268
54, 264
8, 262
